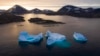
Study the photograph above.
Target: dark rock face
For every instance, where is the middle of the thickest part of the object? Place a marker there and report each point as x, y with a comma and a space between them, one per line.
42, 21
79, 12
8, 18
17, 9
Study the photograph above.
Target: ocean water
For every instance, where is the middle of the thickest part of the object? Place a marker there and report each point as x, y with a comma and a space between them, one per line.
9, 45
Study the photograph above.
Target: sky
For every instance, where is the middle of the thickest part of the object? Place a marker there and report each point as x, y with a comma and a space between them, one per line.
30, 4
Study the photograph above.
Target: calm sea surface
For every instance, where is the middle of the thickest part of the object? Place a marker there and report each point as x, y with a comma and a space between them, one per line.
9, 45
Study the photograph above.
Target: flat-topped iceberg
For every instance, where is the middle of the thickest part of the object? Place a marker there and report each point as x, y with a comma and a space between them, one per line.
25, 37
53, 38
79, 37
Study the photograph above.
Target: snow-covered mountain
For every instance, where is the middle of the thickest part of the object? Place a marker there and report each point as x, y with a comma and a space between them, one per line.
36, 10
79, 12
17, 9
46, 11
70, 9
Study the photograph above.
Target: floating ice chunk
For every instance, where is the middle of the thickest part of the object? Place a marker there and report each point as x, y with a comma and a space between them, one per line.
53, 38
25, 37
79, 37
48, 33
38, 37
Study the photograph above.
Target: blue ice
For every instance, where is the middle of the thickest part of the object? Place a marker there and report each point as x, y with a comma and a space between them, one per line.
79, 37
53, 38
25, 37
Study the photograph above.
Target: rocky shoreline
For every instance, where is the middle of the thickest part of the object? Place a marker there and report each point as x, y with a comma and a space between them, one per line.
9, 18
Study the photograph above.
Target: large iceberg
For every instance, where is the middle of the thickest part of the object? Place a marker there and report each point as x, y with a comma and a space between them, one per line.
79, 37
25, 37
53, 38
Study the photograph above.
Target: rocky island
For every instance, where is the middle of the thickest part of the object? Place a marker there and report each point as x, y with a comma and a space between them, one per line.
42, 21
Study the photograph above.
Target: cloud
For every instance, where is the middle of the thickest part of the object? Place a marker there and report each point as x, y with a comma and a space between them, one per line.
49, 2
37, 3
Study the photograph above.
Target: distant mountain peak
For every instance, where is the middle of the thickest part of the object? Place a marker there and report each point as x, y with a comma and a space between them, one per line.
69, 6
70, 9
17, 9
15, 6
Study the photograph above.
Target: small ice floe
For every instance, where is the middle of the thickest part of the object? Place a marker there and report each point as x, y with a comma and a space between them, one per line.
53, 38
79, 37
25, 37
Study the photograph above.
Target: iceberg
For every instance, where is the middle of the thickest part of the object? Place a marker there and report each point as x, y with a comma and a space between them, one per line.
53, 38
25, 37
79, 37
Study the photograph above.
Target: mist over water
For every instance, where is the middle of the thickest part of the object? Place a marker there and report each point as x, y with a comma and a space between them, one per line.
9, 45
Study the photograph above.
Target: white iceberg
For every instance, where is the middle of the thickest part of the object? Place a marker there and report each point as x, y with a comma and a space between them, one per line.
25, 37
53, 38
79, 37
